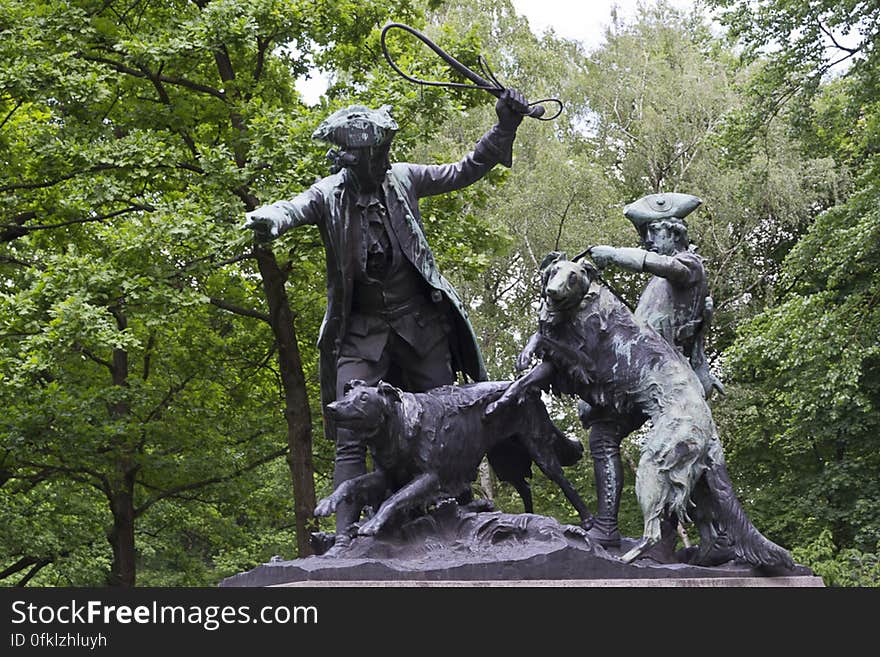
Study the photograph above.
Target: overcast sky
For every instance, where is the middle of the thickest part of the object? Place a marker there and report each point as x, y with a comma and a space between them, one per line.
582, 20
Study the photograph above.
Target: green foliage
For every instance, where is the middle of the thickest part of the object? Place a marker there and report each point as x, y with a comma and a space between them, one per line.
803, 416
847, 567
136, 365
659, 89
808, 368
796, 46
54, 519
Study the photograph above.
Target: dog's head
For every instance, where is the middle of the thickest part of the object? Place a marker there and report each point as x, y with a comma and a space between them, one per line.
564, 283
363, 407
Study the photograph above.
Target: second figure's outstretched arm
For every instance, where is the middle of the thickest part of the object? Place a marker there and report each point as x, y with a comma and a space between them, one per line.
641, 260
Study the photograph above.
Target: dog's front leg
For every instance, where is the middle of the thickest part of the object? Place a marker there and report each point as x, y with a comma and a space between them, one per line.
419, 490
525, 356
537, 376
358, 489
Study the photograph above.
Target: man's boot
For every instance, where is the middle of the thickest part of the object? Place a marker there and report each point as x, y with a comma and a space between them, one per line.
350, 463
605, 437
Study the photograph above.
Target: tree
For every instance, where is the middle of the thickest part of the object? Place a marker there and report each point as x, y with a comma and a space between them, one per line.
134, 137
797, 45
806, 406
122, 378
804, 410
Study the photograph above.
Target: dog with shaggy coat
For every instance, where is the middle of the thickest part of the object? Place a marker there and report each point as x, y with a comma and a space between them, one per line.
590, 345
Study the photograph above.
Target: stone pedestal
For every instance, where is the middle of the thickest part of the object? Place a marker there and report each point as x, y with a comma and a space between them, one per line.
455, 547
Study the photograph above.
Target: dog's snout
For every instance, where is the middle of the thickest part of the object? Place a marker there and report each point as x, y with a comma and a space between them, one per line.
331, 409
555, 290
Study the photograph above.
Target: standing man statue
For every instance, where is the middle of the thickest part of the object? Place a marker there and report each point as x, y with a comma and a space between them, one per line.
390, 313
676, 304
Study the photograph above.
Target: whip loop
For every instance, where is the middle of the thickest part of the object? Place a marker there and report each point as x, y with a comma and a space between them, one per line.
488, 83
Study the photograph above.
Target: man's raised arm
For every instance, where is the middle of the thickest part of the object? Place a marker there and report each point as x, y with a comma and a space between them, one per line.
495, 147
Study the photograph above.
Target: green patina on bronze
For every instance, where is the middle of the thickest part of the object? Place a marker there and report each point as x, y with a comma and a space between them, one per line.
358, 126
592, 346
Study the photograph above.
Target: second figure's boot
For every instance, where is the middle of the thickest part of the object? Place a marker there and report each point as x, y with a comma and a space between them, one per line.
609, 485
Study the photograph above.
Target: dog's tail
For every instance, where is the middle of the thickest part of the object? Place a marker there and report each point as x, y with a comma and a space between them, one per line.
568, 450
748, 543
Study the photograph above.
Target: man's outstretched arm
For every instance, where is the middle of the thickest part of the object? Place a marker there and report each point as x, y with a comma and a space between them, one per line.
272, 220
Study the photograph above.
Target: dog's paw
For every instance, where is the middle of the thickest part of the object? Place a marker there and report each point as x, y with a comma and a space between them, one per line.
325, 507
501, 403
369, 528
367, 531
505, 401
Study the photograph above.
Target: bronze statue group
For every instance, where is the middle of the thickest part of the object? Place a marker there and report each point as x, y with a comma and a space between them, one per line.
396, 334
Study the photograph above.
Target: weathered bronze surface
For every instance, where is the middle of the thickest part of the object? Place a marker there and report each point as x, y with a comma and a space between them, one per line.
390, 314
590, 345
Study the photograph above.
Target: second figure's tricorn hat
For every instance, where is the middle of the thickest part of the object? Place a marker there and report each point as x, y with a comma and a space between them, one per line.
671, 206
357, 126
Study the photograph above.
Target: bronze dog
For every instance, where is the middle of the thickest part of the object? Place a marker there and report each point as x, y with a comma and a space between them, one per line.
591, 346
428, 446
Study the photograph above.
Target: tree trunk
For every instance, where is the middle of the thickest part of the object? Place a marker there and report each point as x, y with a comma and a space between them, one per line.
121, 492
296, 402
121, 537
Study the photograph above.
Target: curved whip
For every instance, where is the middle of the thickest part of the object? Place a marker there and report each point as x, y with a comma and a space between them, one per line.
492, 85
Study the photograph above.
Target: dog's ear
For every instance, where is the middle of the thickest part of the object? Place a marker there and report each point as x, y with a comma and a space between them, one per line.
390, 391
354, 383
550, 258
590, 272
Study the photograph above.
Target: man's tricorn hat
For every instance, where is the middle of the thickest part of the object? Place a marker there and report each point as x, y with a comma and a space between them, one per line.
655, 207
357, 126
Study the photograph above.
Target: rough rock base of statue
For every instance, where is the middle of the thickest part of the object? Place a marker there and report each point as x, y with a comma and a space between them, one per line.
454, 544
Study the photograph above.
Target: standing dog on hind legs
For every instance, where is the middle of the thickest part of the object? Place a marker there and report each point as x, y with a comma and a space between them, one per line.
591, 346
427, 446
